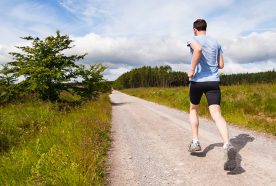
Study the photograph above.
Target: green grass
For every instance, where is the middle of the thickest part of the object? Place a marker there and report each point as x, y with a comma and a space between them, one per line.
249, 106
46, 143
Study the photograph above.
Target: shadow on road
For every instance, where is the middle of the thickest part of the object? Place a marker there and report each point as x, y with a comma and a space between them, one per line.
238, 142
206, 150
118, 104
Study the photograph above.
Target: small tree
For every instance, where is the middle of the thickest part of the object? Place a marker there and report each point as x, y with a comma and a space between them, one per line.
44, 65
92, 81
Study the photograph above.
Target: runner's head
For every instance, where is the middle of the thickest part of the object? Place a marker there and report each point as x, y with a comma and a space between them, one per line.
199, 27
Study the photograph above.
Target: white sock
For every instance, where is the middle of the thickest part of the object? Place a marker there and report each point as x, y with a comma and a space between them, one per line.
225, 145
195, 140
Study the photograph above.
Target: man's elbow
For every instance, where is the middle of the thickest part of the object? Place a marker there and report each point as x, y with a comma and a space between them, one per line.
221, 66
198, 49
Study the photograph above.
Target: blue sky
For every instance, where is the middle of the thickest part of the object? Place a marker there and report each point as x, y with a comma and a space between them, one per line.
124, 34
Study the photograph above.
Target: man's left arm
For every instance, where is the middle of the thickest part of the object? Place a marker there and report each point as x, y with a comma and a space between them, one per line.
220, 58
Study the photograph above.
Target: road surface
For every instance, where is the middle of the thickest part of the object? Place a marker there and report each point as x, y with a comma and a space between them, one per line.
149, 147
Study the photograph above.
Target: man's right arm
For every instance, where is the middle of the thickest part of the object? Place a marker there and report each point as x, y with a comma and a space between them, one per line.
197, 50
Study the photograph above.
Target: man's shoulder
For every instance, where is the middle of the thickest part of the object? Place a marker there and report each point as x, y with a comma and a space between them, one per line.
191, 40
214, 40
202, 40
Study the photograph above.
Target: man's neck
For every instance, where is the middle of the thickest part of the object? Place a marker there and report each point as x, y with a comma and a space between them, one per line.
201, 33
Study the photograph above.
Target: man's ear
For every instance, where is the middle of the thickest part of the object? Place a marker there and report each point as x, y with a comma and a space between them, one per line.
195, 31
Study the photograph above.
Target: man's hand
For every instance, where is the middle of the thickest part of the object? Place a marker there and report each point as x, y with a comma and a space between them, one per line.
191, 73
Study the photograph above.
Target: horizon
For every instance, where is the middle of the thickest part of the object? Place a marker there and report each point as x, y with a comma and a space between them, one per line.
126, 35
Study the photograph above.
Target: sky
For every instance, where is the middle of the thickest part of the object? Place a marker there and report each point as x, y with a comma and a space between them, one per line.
127, 34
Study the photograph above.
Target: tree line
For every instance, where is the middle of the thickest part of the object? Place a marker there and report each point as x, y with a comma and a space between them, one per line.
147, 76
243, 78
163, 76
45, 71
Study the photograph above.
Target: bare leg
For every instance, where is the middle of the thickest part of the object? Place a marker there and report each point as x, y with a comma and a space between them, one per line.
194, 120
220, 122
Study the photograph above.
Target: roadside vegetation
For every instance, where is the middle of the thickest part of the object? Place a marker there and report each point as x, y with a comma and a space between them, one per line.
248, 105
55, 121
45, 143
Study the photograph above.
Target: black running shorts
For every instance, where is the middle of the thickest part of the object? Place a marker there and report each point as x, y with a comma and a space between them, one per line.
210, 89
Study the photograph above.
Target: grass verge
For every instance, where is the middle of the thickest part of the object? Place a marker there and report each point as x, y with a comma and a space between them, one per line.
249, 106
51, 146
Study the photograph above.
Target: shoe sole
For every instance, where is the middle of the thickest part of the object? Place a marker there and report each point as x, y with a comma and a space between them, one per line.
194, 150
230, 164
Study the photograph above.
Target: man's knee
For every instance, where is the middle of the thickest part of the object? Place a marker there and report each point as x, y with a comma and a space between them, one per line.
194, 107
215, 111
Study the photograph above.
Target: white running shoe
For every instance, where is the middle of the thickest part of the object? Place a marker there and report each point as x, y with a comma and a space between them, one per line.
194, 146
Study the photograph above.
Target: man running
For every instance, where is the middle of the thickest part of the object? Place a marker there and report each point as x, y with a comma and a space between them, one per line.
207, 58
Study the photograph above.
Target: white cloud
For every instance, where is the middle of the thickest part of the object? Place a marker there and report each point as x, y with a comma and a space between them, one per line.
4, 54
255, 47
131, 51
112, 74
234, 68
253, 51
88, 11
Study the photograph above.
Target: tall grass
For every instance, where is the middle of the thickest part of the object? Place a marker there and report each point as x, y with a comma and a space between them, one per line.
52, 146
20, 122
250, 106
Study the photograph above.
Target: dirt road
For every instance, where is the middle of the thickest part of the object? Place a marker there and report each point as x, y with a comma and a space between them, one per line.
150, 142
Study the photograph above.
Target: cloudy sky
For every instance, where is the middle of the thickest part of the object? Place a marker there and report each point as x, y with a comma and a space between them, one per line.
124, 34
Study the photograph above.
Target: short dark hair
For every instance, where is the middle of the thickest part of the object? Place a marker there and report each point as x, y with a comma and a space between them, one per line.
200, 25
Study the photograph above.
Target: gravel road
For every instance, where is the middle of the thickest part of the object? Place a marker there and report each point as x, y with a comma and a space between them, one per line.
149, 147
